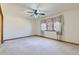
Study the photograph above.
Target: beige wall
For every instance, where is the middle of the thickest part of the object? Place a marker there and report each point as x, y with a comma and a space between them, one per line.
14, 24
51, 34
71, 28
35, 27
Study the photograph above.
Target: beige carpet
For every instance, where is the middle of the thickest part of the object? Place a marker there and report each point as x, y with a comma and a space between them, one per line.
37, 46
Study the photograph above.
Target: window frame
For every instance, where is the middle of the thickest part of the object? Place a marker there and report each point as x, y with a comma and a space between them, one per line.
51, 19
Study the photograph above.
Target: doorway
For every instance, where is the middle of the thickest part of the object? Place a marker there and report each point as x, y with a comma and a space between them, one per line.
1, 26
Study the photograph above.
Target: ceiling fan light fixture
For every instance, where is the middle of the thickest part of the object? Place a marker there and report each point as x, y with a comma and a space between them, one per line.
35, 16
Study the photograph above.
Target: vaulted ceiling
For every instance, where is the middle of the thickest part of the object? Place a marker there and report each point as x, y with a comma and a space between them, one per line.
49, 9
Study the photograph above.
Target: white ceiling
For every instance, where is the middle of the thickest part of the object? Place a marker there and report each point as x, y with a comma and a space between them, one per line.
48, 8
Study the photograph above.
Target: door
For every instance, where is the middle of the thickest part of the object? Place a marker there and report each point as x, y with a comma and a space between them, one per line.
1, 26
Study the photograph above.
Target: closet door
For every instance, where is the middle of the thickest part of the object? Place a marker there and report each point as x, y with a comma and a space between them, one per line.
1, 26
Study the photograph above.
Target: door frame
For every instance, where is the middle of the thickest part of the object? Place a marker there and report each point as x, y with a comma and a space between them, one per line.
1, 24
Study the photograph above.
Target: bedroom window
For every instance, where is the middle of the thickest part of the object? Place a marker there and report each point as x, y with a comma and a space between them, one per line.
51, 24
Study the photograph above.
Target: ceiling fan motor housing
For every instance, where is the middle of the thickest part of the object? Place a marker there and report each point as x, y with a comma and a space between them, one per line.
35, 12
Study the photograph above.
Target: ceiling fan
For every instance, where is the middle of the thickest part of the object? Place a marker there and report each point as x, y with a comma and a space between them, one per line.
35, 12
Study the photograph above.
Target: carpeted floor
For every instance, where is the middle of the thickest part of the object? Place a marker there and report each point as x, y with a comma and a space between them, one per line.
37, 46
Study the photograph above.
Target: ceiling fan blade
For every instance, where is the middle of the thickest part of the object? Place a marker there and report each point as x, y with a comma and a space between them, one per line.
32, 15
45, 10
30, 12
41, 13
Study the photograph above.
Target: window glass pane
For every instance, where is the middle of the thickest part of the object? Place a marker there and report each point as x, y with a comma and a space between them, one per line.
49, 25
43, 26
57, 24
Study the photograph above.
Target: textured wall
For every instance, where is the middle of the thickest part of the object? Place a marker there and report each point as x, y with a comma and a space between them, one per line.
15, 25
